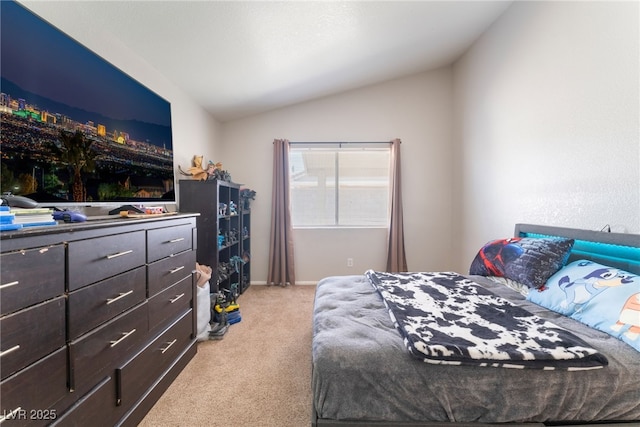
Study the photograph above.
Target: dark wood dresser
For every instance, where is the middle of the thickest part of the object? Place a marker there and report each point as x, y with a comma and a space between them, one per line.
96, 319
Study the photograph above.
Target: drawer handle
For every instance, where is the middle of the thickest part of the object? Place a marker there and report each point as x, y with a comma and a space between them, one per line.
6, 285
176, 298
121, 295
124, 335
11, 415
175, 270
179, 239
11, 350
119, 254
169, 345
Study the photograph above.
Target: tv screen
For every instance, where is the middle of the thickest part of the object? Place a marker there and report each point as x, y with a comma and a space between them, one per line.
75, 130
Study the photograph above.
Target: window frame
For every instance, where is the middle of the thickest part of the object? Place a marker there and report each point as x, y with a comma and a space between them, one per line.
335, 147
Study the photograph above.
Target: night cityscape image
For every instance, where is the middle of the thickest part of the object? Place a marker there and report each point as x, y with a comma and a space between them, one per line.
74, 128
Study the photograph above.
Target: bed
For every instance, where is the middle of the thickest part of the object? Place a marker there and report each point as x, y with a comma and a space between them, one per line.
364, 372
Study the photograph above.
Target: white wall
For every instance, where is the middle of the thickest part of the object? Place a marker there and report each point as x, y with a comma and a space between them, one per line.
545, 130
537, 122
194, 130
547, 121
416, 109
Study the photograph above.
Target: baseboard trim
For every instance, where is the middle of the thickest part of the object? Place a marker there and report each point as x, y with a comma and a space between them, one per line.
304, 283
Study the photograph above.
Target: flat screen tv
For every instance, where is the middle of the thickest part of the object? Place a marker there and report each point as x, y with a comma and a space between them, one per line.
76, 130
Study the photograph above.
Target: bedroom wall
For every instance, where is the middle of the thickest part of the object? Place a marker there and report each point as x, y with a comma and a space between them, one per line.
416, 109
194, 130
537, 122
547, 122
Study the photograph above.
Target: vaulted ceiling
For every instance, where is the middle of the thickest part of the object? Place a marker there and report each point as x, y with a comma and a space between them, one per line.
237, 58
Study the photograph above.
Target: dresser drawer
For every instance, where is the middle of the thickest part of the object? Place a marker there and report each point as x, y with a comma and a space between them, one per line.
29, 334
29, 397
170, 270
97, 353
97, 407
163, 242
138, 374
170, 303
29, 277
96, 259
95, 304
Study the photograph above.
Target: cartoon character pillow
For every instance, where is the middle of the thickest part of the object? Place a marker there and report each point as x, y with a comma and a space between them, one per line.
597, 295
530, 261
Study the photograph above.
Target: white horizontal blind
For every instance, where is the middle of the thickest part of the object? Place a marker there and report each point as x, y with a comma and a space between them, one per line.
344, 184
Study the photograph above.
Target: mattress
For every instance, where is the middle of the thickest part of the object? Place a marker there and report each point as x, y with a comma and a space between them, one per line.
363, 371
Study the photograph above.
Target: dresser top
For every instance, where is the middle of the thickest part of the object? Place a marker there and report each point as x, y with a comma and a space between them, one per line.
29, 237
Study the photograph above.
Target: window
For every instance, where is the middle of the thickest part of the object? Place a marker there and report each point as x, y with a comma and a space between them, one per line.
344, 184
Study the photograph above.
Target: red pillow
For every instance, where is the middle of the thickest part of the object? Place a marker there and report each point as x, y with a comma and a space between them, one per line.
530, 261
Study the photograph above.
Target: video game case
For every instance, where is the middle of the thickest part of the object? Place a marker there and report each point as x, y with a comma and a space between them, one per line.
8, 227
35, 224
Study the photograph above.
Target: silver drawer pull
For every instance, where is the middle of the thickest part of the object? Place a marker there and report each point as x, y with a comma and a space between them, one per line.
176, 298
7, 285
119, 254
169, 345
175, 270
124, 335
11, 415
121, 295
10, 350
179, 239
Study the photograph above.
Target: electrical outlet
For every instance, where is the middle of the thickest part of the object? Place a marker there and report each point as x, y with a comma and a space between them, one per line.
349, 262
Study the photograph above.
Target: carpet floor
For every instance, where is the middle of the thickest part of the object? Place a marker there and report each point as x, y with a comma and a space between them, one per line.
258, 375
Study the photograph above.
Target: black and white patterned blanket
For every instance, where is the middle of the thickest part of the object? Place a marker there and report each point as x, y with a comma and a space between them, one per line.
446, 318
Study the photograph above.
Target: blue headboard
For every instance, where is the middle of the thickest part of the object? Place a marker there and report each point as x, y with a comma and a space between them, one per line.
618, 250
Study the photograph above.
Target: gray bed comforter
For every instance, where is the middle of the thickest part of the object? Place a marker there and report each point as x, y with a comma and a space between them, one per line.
363, 371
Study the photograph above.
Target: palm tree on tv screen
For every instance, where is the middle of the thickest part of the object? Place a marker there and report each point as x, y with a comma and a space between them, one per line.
74, 151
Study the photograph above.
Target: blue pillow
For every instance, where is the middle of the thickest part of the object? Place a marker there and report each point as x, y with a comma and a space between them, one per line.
530, 261
602, 297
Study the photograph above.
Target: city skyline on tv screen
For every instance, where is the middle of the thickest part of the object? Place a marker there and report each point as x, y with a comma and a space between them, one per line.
51, 85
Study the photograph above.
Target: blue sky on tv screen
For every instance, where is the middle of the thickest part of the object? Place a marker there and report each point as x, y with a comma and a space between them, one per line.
44, 66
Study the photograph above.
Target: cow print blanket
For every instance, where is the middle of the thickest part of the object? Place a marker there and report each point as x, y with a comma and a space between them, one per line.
446, 318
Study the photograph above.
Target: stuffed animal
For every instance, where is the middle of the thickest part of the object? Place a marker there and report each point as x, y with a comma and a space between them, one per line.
196, 171
213, 170
203, 274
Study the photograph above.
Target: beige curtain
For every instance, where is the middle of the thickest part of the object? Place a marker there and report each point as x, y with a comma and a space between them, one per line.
281, 265
396, 258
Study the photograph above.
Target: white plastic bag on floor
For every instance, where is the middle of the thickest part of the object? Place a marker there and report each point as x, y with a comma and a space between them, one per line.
203, 302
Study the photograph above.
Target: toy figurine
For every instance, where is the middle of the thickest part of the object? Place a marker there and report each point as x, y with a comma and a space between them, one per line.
246, 195
222, 209
233, 235
236, 262
232, 208
211, 171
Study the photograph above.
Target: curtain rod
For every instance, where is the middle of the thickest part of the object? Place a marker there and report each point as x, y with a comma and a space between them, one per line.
352, 142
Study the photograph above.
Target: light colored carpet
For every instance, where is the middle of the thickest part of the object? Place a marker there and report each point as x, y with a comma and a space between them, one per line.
259, 374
